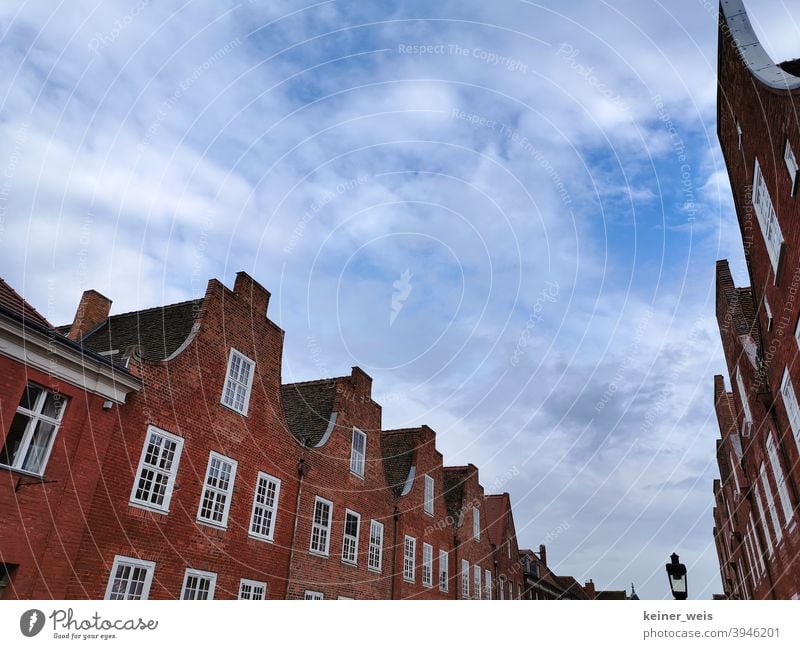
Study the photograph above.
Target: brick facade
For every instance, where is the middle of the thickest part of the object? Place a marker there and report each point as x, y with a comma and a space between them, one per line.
184, 467
756, 498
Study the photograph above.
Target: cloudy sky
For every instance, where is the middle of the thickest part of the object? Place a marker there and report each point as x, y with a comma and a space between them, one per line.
506, 212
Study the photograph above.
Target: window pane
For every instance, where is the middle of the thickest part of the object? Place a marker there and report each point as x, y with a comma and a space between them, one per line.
29, 396
14, 438
40, 442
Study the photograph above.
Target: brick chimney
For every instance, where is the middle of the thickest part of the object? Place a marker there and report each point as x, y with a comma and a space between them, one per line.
591, 591
92, 310
362, 382
251, 291
543, 554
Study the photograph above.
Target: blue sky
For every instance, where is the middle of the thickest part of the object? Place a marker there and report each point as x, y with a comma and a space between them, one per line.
507, 213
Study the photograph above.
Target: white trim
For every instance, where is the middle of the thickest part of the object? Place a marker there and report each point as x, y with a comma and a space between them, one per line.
487, 584
328, 430
412, 473
236, 382
476, 523
313, 595
427, 565
767, 218
358, 459
119, 561
444, 571
789, 397
254, 585
476, 578
48, 355
791, 165
218, 491
464, 579
351, 538
409, 559
375, 548
780, 480
199, 574
171, 474
272, 510
430, 491
326, 527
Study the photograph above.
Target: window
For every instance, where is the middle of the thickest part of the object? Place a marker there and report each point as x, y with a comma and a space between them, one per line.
476, 524
476, 573
762, 516
427, 565
321, 526
464, 579
444, 577
352, 524
130, 578
780, 480
265, 507
428, 506
790, 403
358, 452
767, 219
409, 558
768, 313
748, 415
344, 597
158, 467
791, 164
487, 583
508, 548
510, 590
773, 513
313, 594
756, 542
33, 430
238, 382
249, 589
215, 501
198, 584
501, 587
375, 558
739, 135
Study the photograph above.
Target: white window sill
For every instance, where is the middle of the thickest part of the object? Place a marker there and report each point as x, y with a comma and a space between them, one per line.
360, 476
30, 474
258, 537
347, 562
243, 413
377, 571
319, 553
148, 508
215, 525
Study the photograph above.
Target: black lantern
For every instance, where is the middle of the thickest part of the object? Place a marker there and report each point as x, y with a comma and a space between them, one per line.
676, 572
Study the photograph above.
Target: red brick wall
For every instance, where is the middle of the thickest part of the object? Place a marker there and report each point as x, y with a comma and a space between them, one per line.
327, 475
767, 117
182, 396
43, 521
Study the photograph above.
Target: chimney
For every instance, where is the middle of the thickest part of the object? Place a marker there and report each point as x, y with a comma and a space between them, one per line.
251, 291
591, 591
362, 382
543, 554
92, 310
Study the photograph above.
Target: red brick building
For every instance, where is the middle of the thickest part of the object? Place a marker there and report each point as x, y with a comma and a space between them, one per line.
157, 454
59, 406
756, 498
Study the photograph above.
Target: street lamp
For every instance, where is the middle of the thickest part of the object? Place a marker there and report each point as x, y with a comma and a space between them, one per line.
676, 572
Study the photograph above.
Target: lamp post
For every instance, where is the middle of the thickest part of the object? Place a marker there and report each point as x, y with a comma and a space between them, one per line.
676, 572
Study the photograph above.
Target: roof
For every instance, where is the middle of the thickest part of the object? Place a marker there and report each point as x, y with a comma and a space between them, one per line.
612, 594
152, 334
496, 508
398, 448
308, 407
570, 586
14, 302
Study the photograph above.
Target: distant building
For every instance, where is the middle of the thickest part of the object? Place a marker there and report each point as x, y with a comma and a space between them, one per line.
758, 453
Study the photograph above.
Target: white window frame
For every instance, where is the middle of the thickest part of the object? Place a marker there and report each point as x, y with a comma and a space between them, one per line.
791, 165
747, 413
768, 311
476, 578
739, 135
358, 458
771, 508
487, 583
444, 571
323, 528
767, 218
199, 574
789, 397
409, 559
215, 492
501, 587
430, 485
464, 579
121, 561
313, 595
756, 542
349, 541
262, 511
253, 586
762, 516
510, 589
427, 565
476, 524
780, 481
232, 385
157, 469
375, 554
35, 418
